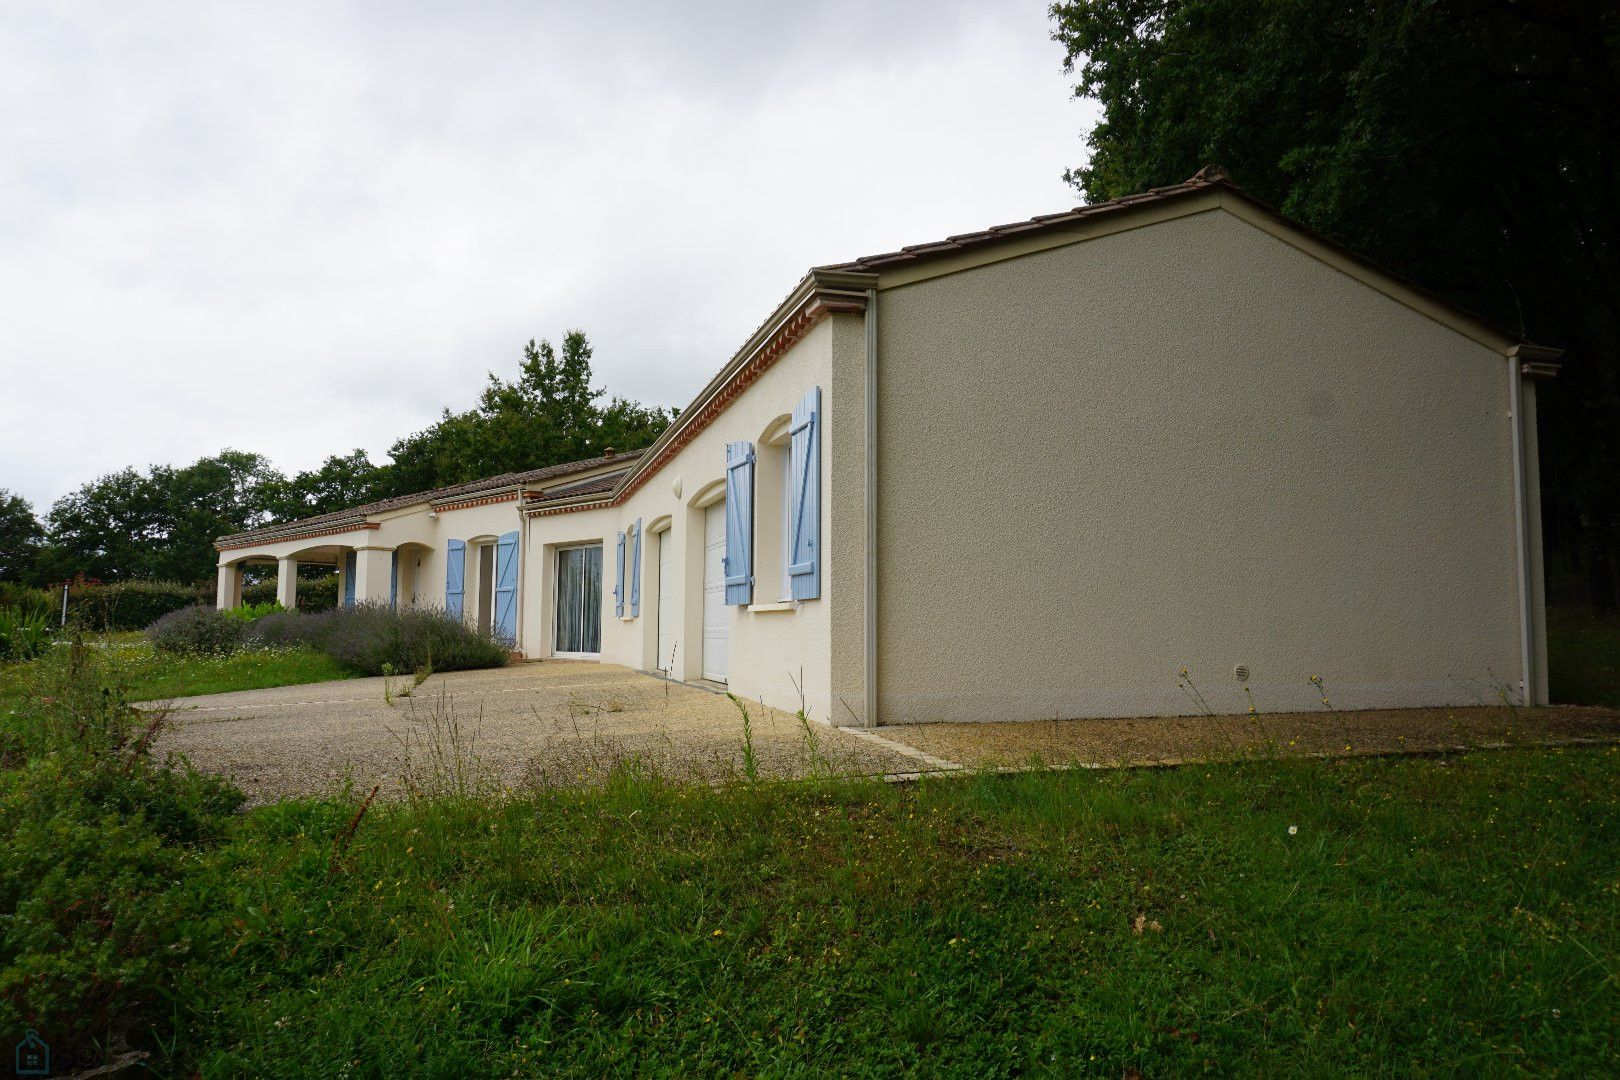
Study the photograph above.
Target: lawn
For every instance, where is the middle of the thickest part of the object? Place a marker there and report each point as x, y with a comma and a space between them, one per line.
1451, 915
147, 675
1405, 916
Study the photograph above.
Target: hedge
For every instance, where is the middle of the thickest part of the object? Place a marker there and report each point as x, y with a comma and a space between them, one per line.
314, 594
127, 605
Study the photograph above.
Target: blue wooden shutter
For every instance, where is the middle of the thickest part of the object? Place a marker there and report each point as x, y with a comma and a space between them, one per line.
393, 579
804, 508
455, 577
739, 523
506, 587
348, 579
635, 568
618, 579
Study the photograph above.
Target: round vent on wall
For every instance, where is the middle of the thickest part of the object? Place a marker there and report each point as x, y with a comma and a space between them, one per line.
1241, 673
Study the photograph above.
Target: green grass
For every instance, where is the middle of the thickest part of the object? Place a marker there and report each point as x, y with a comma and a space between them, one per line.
1418, 916
147, 675
155, 678
1583, 657
1428, 918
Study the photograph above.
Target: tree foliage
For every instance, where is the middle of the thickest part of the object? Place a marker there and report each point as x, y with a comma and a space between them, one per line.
1472, 146
157, 524
161, 523
20, 536
341, 481
548, 415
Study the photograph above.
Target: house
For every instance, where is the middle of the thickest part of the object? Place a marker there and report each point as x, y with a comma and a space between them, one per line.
1035, 472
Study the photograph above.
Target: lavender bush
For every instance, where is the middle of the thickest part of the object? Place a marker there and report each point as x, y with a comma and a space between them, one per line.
369, 636
197, 631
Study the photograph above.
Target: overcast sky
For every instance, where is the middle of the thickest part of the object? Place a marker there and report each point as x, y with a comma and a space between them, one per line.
298, 229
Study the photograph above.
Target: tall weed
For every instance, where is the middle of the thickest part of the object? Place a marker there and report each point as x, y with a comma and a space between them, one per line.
96, 835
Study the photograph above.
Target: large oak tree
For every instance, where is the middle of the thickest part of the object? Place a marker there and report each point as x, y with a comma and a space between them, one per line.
1472, 146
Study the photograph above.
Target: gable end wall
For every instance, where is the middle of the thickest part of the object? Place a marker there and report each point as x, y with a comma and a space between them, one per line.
1188, 445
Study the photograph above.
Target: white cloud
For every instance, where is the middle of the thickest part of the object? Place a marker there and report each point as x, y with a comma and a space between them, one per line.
302, 229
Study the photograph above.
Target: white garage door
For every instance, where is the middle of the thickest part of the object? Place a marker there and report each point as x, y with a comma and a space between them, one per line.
716, 619
666, 641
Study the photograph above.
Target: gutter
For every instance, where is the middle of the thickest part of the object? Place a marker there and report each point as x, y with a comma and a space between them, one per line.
1525, 361
869, 633
823, 283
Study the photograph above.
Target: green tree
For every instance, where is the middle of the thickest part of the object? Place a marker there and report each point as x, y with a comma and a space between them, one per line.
210, 497
1472, 146
342, 481
20, 536
548, 415
104, 530
160, 524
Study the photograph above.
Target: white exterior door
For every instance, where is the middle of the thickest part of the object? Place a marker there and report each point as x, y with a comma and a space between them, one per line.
716, 619
666, 551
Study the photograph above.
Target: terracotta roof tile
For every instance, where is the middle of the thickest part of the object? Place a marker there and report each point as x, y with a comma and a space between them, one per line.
589, 486
1206, 179
473, 488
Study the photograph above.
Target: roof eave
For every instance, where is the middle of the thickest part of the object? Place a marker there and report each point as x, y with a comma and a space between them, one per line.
576, 502
1537, 361
822, 283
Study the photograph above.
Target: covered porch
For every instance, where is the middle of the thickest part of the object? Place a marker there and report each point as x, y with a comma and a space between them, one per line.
371, 573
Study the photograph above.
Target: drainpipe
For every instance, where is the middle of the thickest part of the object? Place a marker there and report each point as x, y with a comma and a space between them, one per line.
522, 556
1522, 521
870, 634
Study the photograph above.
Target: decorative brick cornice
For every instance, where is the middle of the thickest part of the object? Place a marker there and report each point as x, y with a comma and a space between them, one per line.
467, 504
266, 541
821, 303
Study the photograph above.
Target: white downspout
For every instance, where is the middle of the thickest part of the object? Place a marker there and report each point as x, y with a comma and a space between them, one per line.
870, 607
1522, 522
522, 577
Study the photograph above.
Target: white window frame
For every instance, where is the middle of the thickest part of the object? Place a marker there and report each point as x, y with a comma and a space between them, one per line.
556, 599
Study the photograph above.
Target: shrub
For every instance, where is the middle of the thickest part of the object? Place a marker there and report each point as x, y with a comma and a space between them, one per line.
369, 636
250, 612
15, 595
98, 838
127, 605
314, 594
284, 628
24, 633
197, 631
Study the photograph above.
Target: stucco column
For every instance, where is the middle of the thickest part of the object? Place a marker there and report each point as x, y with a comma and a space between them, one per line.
372, 567
287, 582
230, 587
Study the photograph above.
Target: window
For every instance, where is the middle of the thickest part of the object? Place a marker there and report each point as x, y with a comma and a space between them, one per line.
579, 602
771, 516
785, 590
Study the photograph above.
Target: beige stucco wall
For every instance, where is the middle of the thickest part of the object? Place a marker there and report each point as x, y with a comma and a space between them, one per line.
1189, 445
422, 538
770, 650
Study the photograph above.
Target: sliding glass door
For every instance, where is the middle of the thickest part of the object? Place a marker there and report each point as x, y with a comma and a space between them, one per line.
579, 601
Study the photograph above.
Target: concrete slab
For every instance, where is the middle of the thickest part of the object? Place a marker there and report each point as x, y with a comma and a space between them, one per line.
1171, 740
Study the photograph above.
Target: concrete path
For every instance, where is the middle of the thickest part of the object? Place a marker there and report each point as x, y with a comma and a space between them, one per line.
1174, 739
562, 722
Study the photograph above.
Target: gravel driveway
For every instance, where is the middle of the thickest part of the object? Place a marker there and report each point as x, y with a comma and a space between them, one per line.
538, 723
562, 722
